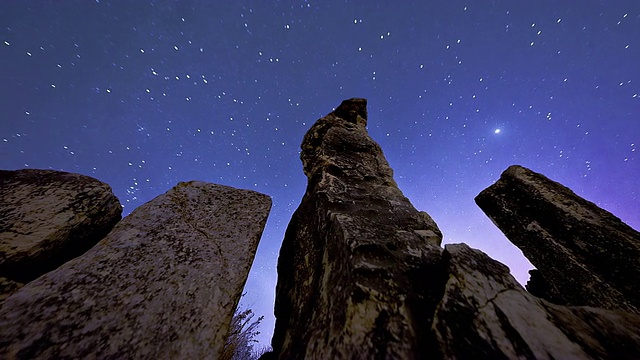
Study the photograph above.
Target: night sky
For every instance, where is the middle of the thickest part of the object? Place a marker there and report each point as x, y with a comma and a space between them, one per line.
143, 94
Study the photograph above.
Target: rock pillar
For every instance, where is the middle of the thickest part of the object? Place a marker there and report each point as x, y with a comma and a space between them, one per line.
354, 276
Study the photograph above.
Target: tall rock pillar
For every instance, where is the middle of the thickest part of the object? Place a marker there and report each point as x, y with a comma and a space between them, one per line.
358, 260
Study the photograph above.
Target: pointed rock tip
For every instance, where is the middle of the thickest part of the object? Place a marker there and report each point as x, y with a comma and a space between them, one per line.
519, 172
353, 110
516, 168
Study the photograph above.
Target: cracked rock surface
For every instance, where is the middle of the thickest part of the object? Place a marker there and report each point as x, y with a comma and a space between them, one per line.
164, 283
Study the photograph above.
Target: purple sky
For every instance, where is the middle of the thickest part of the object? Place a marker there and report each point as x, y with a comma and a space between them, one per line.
143, 94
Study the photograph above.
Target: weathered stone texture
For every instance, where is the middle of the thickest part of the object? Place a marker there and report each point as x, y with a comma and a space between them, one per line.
49, 217
585, 255
163, 284
486, 314
8, 287
353, 271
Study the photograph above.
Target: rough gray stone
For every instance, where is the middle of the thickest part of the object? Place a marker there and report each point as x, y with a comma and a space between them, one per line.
354, 267
48, 217
163, 284
585, 255
486, 314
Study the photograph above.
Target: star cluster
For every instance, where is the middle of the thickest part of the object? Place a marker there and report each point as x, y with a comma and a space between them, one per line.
144, 94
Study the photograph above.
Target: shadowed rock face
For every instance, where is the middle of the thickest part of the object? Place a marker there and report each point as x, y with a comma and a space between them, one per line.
49, 217
354, 268
584, 254
163, 284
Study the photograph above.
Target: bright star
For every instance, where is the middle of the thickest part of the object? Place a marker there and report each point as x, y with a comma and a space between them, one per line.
496, 131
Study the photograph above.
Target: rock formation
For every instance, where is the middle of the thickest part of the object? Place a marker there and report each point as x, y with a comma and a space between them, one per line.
361, 271
49, 217
584, 255
486, 314
361, 275
163, 284
351, 273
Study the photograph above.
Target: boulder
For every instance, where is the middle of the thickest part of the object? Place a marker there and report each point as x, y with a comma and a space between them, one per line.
355, 268
485, 314
584, 254
163, 284
49, 217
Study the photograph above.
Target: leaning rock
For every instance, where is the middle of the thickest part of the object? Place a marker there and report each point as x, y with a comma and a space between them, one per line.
486, 314
584, 253
163, 284
355, 268
49, 217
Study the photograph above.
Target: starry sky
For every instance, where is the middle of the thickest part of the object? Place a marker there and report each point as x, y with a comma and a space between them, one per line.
143, 94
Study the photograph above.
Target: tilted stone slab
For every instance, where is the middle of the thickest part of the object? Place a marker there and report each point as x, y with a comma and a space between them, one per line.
162, 285
49, 217
485, 314
586, 255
